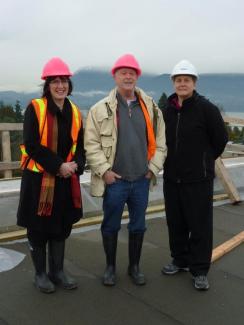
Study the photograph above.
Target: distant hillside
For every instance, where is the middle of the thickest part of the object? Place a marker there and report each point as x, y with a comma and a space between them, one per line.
226, 90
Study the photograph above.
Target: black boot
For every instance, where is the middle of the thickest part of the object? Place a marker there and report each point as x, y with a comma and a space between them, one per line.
135, 246
41, 280
110, 247
56, 265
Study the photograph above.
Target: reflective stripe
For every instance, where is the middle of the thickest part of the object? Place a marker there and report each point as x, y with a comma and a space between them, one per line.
73, 148
24, 156
76, 118
35, 169
40, 106
151, 141
23, 151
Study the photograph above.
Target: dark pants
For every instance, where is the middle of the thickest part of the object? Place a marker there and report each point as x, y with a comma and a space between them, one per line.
189, 214
135, 194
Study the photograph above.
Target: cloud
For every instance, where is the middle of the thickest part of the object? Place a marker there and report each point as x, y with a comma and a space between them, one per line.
91, 93
94, 33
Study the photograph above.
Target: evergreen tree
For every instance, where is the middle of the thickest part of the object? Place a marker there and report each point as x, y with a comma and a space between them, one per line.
7, 114
237, 133
10, 114
162, 101
18, 112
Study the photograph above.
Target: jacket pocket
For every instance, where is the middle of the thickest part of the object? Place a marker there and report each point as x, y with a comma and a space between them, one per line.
107, 143
106, 127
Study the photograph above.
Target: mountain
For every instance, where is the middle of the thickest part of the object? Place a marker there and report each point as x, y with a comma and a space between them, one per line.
225, 90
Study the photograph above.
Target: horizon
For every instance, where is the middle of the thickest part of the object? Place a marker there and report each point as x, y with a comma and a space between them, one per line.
34, 88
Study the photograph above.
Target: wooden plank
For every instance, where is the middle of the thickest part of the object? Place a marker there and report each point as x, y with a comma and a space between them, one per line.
235, 153
220, 197
11, 126
228, 184
226, 247
235, 147
6, 149
98, 219
13, 235
4, 165
91, 221
233, 120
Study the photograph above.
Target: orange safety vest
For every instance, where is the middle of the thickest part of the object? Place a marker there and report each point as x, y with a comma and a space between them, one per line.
40, 106
151, 141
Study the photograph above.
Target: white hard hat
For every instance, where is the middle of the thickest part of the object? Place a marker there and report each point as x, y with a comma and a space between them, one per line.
184, 67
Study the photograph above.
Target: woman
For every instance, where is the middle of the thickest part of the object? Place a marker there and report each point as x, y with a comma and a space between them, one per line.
195, 137
52, 159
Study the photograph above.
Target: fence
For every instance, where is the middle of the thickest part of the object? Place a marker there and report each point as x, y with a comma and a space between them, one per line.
232, 150
7, 165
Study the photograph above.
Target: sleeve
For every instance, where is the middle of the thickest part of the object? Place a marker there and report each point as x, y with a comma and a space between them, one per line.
49, 160
218, 136
156, 163
95, 156
80, 157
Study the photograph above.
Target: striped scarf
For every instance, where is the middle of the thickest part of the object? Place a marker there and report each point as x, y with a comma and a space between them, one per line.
48, 180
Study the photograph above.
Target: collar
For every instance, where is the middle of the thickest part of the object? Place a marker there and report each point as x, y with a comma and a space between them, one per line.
112, 100
54, 109
173, 100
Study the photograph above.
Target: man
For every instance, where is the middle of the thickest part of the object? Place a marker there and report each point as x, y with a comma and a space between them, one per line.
125, 147
195, 137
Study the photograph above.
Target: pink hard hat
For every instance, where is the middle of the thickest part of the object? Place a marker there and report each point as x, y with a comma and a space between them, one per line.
55, 67
126, 61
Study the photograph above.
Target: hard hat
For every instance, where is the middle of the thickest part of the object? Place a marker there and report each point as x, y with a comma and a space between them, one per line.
55, 67
184, 67
126, 61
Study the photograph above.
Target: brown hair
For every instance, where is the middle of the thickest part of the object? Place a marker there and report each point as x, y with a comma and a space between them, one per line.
46, 91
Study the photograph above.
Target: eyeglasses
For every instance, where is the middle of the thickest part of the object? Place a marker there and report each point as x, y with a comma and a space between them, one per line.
56, 82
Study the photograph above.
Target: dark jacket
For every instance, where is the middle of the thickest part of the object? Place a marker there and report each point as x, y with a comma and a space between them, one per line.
195, 137
63, 213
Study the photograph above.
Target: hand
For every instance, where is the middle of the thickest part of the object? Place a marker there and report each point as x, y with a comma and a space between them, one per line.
149, 174
67, 169
109, 177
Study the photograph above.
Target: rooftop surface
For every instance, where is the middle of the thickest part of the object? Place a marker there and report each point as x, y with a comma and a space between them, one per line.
167, 300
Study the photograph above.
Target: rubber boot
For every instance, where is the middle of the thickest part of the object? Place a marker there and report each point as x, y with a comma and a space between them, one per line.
56, 265
135, 246
41, 280
110, 248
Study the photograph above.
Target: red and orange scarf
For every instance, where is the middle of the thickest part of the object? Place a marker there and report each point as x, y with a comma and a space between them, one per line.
48, 181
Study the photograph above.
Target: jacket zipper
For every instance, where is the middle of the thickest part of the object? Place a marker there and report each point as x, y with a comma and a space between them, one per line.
176, 132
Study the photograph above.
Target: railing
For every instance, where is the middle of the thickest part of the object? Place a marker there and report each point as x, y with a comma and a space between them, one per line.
232, 150
7, 165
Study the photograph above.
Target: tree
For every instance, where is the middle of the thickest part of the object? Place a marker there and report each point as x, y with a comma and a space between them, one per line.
7, 114
18, 112
10, 114
162, 101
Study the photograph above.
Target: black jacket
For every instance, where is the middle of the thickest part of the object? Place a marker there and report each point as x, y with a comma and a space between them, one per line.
63, 213
195, 137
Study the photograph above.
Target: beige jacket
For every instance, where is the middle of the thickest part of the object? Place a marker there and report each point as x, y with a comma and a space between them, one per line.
101, 139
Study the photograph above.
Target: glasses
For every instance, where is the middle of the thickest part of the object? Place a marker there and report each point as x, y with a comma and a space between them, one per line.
56, 82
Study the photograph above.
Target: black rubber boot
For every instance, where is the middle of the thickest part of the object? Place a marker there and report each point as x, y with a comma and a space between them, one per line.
135, 246
110, 248
41, 280
56, 265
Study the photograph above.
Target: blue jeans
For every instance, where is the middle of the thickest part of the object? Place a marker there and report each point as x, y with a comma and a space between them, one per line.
135, 195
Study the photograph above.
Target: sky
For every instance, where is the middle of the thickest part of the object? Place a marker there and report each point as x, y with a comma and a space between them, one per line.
94, 33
